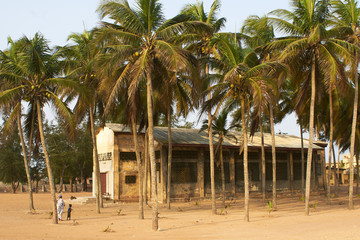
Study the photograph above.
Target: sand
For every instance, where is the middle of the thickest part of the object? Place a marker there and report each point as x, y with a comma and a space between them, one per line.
189, 220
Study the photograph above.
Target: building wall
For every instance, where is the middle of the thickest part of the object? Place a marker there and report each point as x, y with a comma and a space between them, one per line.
191, 170
105, 147
128, 184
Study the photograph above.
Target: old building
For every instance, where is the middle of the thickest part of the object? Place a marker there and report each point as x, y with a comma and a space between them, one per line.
191, 164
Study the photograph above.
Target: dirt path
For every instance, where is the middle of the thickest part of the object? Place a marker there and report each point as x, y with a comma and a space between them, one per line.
191, 220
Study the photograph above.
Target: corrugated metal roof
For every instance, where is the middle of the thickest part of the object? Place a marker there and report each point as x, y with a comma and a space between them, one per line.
183, 136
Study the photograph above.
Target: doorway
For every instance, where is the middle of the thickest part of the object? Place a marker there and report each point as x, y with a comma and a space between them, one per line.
103, 183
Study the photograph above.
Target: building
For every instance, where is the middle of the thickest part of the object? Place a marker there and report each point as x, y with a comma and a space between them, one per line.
191, 164
341, 173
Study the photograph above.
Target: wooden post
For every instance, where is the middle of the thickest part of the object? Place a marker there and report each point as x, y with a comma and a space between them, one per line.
232, 173
291, 171
163, 168
200, 175
313, 162
116, 169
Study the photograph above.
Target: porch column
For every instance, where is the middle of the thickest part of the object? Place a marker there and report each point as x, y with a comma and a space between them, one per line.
313, 164
232, 172
163, 165
291, 171
116, 159
200, 173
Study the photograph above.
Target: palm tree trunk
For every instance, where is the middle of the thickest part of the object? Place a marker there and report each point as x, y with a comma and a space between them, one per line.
146, 166
168, 190
335, 170
48, 164
138, 160
302, 161
273, 151
95, 162
222, 172
353, 133
357, 173
152, 153
246, 170
26, 163
263, 163
330, 143
212, 155
311, 136
212, 167
338, 167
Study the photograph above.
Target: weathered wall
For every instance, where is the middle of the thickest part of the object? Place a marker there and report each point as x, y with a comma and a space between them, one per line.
105, 147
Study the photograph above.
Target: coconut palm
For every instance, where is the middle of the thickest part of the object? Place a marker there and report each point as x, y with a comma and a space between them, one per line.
308, 48
33, 78
182, 92
219, 126
243, 77
347, 15
80, 58
202, 48
260, 32
8, 61
143, 39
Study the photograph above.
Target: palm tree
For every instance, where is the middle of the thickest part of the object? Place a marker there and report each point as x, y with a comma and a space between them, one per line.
309, 48
144, 40
34, 80
80, 66
9, 60
243, 77
347, 15
182, 92
219, 126
260, 32
203, 49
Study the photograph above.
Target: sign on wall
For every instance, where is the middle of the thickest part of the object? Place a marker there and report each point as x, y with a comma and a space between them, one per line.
105, 156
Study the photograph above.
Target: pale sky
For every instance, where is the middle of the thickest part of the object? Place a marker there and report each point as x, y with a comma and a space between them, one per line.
56, 20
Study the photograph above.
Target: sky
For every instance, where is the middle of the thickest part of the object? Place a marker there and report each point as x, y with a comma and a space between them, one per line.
56, 20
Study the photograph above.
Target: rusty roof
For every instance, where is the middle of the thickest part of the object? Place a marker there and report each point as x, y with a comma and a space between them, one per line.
187, 137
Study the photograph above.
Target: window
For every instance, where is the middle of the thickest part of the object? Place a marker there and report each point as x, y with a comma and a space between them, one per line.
297, 156
157, 154
254, 172
253, 155
217, 172
128, 156
184, 172
281, 171
279, 156
130, 179
185, 154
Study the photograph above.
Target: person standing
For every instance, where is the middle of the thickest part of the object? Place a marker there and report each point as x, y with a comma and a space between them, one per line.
60, 207
69, 212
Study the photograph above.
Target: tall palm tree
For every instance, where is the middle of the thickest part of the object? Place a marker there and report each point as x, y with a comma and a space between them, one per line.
143, 40
219, 126
308, 48
243, 77
80, 65
347, 15
202, 48
181, 91
34, 80
8, 63
260, 32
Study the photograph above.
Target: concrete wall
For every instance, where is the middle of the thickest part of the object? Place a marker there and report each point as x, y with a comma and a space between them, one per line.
105, 147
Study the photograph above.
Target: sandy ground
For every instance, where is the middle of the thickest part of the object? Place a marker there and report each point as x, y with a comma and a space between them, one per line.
190, 220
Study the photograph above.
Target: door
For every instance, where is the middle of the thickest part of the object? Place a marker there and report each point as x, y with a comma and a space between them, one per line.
103, 183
